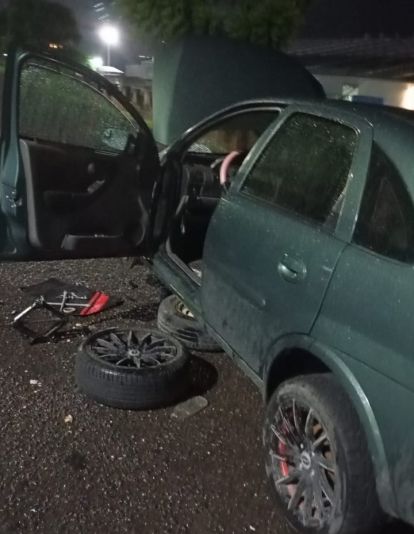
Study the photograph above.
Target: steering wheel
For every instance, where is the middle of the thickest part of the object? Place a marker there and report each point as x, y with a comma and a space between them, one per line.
225, 166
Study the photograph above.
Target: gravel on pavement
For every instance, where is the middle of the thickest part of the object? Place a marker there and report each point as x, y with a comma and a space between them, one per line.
69, 465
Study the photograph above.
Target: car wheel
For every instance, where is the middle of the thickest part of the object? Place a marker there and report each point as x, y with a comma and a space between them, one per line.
176, 319
132, 369
317, 459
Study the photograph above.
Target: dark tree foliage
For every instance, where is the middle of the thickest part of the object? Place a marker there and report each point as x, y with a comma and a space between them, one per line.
37, 23
265, 22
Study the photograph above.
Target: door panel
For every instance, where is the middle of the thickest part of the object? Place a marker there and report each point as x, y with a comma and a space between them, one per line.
83, 193
79, 164
196, 159
273, 242
268, 283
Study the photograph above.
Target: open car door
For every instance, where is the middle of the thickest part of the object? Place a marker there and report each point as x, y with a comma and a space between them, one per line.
79, 166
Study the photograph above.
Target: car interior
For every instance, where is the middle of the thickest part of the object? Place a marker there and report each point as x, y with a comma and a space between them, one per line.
200, 165
81, 168
79, 155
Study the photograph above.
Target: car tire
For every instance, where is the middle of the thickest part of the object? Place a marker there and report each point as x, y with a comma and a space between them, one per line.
176, 319
132, 369
327, 487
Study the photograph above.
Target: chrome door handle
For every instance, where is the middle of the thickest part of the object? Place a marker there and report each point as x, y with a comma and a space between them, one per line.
291, 269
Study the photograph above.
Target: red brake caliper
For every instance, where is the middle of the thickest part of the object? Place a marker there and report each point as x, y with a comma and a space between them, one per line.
284, 467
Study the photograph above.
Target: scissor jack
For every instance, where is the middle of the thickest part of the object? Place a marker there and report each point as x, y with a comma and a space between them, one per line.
61, 306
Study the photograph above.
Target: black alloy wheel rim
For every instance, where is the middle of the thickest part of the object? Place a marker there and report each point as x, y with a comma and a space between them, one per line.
130, 349
303, 464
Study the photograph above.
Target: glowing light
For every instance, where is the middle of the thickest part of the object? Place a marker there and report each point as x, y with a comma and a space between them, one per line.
96, 62
407, 100
109, 35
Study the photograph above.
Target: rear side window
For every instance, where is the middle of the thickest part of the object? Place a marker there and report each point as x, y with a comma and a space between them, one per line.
60, 106
304, 169
386, 218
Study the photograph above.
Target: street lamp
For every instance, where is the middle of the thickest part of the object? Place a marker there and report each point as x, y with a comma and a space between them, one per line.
110, 36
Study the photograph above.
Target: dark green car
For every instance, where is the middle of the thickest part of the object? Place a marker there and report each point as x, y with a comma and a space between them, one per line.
307, 250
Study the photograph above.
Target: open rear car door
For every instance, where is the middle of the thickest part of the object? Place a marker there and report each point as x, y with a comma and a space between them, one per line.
79, 167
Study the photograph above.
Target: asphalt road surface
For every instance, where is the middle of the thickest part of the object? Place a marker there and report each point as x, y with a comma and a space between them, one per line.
69, 465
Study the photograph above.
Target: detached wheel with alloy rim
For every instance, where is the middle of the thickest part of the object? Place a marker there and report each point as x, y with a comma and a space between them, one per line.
132, 369
317, 459
176, 319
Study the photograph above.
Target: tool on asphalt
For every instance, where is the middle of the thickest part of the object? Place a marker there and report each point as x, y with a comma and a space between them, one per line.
57, 301
25, 327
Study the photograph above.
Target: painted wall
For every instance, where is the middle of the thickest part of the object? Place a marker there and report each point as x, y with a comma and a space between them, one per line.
391, 93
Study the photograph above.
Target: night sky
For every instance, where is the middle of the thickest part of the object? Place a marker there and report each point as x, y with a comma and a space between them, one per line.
88, 19
333, 18
354, 18
326, 19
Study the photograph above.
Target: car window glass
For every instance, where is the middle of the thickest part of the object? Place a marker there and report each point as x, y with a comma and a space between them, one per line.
62, 107
305, 167
386, 219
238, 133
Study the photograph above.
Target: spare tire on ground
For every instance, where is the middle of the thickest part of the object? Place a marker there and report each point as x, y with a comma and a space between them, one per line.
175, 318
133, 368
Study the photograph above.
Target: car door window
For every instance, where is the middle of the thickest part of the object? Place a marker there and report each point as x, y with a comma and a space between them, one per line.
304, 169
385, 223
239, 133
59, 106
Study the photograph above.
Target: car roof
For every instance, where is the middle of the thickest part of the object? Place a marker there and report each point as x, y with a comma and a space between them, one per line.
393, 128
378, 115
